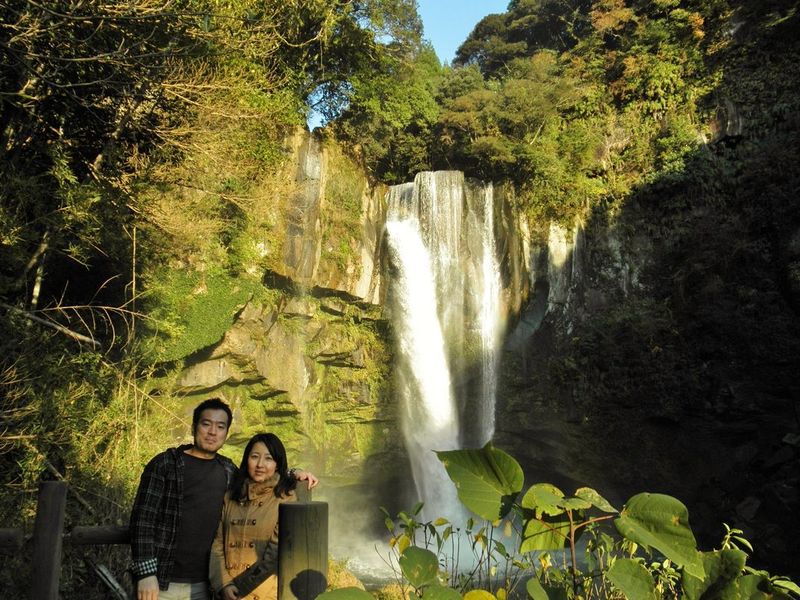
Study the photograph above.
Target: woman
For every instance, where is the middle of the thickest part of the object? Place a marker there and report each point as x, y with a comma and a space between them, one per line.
245, 551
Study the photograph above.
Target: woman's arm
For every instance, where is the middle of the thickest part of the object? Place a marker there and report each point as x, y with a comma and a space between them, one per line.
217, 572
256, 574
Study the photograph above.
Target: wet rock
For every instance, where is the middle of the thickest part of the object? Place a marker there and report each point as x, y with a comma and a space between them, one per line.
782, 456
747, 508
793, 439
207, 374
781, 498
746, 454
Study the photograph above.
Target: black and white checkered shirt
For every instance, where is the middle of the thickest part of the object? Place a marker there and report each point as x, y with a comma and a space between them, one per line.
157, 512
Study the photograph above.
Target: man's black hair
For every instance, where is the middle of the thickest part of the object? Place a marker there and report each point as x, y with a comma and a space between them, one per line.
212, 404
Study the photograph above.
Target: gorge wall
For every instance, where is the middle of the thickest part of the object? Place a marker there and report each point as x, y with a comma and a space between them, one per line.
311, 357
617, 379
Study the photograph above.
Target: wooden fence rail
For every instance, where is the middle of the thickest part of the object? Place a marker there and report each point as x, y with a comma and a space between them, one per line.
302, 551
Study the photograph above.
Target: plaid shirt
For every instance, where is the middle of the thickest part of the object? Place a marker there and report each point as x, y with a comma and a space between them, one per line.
157, 511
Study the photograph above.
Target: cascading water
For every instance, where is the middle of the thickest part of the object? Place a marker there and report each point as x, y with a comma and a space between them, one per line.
445, 296
489, 321
430, 419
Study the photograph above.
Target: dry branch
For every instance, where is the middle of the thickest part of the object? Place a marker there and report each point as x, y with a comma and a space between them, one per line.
60, 328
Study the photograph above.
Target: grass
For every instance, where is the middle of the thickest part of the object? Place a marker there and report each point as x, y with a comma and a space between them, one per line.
192, 310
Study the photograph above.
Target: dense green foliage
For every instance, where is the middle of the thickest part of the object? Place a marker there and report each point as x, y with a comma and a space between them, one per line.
141, 201
649, 553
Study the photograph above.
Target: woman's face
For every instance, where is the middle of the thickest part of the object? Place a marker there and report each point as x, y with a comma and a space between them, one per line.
260, 464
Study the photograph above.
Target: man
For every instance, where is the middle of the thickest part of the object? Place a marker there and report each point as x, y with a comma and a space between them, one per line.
177, 509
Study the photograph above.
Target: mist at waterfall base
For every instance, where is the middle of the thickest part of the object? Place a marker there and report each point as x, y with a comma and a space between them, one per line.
444, 306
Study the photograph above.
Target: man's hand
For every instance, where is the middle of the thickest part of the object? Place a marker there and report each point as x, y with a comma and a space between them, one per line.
230, 592
306, 476
147, 588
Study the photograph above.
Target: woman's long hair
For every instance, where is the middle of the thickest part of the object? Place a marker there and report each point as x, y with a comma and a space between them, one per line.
273, 443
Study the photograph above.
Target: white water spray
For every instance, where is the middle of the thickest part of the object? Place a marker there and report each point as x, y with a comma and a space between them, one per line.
430, 420
445, 308
489, 320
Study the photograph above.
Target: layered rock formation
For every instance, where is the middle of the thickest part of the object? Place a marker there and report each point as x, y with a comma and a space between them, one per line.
721, 438
312, 357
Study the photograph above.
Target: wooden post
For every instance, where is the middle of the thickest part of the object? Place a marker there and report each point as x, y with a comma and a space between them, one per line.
48, 530
302, 550
302, 492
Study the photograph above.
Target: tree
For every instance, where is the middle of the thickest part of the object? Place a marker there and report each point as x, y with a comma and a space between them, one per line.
330, 43
89, 89
391, 114
527, 27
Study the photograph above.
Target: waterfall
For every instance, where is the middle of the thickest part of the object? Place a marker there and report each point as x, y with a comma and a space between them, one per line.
489, 319
430, 419
444, 302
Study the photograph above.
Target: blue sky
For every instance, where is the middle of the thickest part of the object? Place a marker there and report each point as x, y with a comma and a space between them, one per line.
447, 23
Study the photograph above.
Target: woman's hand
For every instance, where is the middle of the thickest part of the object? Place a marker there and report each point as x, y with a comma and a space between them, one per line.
306, 476
230, 592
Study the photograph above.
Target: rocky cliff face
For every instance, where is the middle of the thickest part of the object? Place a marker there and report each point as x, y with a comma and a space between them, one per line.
310, 358
597, 385
334, 222
604, 385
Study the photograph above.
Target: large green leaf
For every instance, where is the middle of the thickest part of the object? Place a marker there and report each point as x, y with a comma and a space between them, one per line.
786, 585
479, 595
662, 522
439, 592
595, 499
759, 586
633, 579
535, 589
540, 591
546, 533
487, 479
575, 504
721, 569
748, 587
544, 498
419, 566
347, 593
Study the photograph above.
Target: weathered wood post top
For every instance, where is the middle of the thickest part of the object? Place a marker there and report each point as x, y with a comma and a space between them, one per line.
302, 549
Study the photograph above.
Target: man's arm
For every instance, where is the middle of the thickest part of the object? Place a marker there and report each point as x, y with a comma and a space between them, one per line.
144, 516
301, 475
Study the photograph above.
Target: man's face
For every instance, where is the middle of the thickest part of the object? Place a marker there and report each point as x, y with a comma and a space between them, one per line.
211, 430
